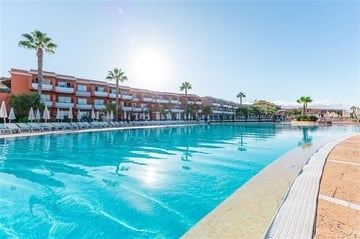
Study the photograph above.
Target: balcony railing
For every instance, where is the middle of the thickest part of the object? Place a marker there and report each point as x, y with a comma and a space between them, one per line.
101, 93
126, 108
61, 89
227, 106
46, 87
113, 95
163, 101
177, 110
198, 102
63, 105
99, 107
49, 103
83, 93
137, 109
135, 99
174, 102
215, 104
126, 97
147, 99
83, 106
190, 102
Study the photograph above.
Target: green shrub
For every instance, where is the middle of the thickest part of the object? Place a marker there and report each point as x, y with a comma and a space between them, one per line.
307, 118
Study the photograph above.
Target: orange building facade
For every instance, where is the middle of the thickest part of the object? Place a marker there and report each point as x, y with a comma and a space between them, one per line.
64, 92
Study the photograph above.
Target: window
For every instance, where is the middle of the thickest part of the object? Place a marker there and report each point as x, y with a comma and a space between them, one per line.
64, 99
82, 101
113, 91
82, 88
62, 84
100, 89
98, 102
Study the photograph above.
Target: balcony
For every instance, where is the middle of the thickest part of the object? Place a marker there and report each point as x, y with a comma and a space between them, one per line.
83, 93
216, 104
137, 109
135, 99
99, 107
198, 102
113, 95
126, 108
126, 97
227, 106
162, 101
48, 103
84, 106
63, 105
61, 89
177, 110
101, 93
147, 99
190, 102
174, 102
45, 87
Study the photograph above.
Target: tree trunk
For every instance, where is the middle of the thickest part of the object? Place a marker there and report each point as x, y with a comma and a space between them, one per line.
117, 101
186, 102
40, 70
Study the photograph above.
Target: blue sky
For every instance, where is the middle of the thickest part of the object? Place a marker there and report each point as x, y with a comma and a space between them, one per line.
272, 50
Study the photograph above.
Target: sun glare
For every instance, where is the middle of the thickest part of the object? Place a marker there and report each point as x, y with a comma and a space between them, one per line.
150, 67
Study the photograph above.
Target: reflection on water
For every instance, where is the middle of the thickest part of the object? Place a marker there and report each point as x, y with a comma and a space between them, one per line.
126, 182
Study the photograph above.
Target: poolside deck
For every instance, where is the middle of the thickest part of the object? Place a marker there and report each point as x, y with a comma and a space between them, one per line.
338, 212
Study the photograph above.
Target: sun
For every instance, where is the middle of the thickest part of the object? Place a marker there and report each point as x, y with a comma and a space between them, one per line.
150, 67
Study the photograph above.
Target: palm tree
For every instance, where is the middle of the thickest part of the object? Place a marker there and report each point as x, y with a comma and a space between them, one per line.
40, 42
118, 75
185, 86
241, 95
304, 100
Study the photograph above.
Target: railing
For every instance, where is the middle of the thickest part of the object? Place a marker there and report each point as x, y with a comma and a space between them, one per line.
135, 99
137, 109
174, 102
113, 95
177, 110
147, 99
83, 106
126, 97
83, 93
215, 104
101, 93
63, 105
162, 101
61, 89
46, 87
126, 108
198, 102
99, 107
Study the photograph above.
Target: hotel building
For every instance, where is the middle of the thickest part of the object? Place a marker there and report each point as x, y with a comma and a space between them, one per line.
64, 92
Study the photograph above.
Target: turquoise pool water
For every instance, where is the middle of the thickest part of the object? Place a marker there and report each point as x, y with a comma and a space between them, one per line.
140, 183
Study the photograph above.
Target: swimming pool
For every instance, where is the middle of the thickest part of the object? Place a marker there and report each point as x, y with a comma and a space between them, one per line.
139, 183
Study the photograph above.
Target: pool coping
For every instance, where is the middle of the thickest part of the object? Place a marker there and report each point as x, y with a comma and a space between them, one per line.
249, 211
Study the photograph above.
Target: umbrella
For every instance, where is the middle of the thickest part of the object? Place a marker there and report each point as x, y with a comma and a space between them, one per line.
70, 115
93, 116
125, 115
11, 114
107, 115
59, 115
37, 115
3, 113
46, 115
97, 116
111, 115
31, 115
79, 115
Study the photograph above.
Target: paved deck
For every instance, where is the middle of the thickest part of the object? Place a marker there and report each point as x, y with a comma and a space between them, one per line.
338, 212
